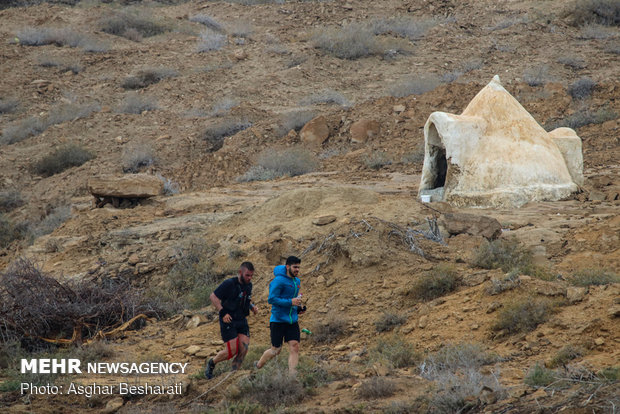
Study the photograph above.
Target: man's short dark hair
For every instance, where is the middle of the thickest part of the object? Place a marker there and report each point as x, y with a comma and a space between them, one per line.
247, 265
291, 260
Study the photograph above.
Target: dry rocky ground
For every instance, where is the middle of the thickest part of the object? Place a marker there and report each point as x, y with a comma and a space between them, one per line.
349, 218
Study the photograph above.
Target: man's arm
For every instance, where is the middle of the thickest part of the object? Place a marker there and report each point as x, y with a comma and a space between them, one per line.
217, 303
275, 290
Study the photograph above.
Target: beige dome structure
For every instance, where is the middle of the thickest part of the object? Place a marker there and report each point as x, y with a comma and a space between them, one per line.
496, 154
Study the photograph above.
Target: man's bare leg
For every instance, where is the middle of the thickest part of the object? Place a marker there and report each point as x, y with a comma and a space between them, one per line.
293, 357
244, 345
268, 355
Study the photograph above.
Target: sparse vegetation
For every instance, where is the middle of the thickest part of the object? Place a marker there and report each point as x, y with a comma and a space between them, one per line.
582, 88
278, 163
583, 117
394, 352
134, 103
136, 157
147, 76
376, 387
439, 282
294, 120
265, 386
572, 62
223, 106
10, 200
67, 156
509, 281
506, 254
328, 331
537, 75
326, 96
523, 315
605, 12
63, 65
133, 24
170, 187
8, 105
377, 159
219, 130
9, 232
211, 40
51, 221
208, 21
388, 321
39, 36
539, 376
409, 27
565, 355
594, 276
416, 85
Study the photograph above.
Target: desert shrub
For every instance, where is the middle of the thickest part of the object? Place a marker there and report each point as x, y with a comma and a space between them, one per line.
70, 112
439, 282
288, 162
565, 355
211, 40
10, 200
219, 130
409, 27
509, 281
354, 41
39, 36
326, 96
170, 187
539, 376
605, 12
34, 305
94, 351
136, 157
388, 321
258, 173
536, 76
582, 88
507, 254
147, 76
596, 31
134, 103
8, 105
456, 371
414, 157
572, 62
132, 24
417, 85
523, 315
63, 65
222, 106
376, 387
208, 21
377, 159
394, 352
582, 118
328, 331
594, 276
294, 120
265, 386
610, 374
239, 28
67, 156
51, 221
9, 232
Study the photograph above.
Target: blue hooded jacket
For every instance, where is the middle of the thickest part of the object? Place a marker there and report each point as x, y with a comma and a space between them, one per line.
282, 289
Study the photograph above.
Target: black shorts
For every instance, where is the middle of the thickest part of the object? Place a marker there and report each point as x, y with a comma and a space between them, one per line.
283, 330
231, 330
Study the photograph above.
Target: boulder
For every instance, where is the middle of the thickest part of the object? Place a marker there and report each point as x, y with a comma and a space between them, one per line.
315, 132
472, 224
364, 129
127, 186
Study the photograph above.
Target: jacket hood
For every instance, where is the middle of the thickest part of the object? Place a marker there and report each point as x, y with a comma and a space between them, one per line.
280, 271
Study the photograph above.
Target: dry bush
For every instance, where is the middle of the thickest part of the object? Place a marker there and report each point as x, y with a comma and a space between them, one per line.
413, 85
10, 200
67, 156
51, 221
572, 62
506, 254
565, 355
294, 120
63, 65
523, 315
240, 28
330, 330
388, 321
131, 23
279, 163
9, 231
215, 134
222, 107
414, 157
376, 387
208, 21
594, 276
147, 76
34, 305
39, 36
134, 103
439, 282
605, 12
8, 105
582, 88
19, 131
326, 96
412, 28
539, 376
211, 40
582, 117
377, 159
537, 75
272, 386
394, 352
170, 187
136, 157
509, 281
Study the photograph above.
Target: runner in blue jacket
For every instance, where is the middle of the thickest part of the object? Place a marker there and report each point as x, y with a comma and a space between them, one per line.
286, 305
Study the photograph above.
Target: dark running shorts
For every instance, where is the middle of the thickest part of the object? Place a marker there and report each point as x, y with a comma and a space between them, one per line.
231, 330
283, 330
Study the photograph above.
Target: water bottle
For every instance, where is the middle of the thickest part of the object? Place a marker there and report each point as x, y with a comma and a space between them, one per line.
306, 331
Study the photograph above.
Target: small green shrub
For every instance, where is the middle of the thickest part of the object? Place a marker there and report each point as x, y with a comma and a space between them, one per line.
610, 374
67, 156
376, 387
582, 88
594, 276
136, 157
605, 12
539, 376
219, 130
395, 353
278, 163
133, 24
388, 321
506, 254
377, 159
10, 200
565, 355
329, 330
523, 315
265, 386
134, 103
437, 283
147, 76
